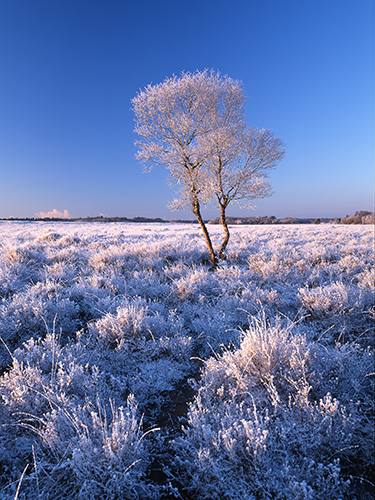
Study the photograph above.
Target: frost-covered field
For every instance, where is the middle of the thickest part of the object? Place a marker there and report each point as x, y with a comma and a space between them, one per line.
129, 370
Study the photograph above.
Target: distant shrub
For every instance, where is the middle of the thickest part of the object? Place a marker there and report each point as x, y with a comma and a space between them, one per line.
359, 217
368, 219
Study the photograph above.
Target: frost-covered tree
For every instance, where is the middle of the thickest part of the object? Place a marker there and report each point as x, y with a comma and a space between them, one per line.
194, 125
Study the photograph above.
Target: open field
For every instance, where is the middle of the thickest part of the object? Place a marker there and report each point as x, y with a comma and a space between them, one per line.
129, 370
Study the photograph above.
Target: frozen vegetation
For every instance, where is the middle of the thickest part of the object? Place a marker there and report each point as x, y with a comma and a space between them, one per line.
130, 370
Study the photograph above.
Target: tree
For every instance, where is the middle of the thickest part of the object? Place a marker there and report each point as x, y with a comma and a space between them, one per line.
172, 119
194, 125
239, 160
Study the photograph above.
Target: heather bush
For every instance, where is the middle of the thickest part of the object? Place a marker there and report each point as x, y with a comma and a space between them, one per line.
58, 416
277, 418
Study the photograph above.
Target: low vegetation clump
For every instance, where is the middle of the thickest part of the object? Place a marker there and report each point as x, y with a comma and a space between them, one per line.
130, 370
270, 420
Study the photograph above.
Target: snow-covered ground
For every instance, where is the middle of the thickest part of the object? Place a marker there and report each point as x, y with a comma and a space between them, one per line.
129, 370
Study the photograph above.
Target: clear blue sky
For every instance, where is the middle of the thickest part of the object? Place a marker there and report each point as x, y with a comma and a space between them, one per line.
69, 68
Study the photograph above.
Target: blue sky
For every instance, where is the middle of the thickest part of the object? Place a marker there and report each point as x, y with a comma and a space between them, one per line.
69, 68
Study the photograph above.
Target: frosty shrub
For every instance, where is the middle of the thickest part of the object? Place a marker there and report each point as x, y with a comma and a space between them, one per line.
269, 421
58, 419
326, 300
35, 311
113, 331
140, 349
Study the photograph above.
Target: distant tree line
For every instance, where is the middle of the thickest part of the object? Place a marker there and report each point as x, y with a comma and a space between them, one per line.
359, 217
271, 219
98, 218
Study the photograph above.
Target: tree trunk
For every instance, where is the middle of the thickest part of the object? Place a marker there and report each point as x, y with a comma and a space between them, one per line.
225, 241
211, 251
